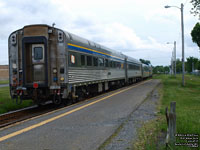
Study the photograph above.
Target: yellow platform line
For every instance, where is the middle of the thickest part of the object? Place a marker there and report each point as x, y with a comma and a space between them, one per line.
62, 115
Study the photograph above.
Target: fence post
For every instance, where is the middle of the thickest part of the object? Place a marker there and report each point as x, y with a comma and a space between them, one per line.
171, 123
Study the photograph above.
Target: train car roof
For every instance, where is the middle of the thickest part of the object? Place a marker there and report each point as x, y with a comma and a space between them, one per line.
84, 41
37, 25
89, 43
133, 60
92, 44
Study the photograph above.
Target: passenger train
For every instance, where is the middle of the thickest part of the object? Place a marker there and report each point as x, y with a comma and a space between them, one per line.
47, 63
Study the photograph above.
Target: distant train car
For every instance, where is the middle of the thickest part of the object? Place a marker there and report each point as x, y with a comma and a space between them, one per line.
47, 63
146, 71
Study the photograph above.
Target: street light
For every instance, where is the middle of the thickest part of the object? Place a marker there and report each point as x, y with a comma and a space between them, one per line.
182, 31
173, 58
167, 6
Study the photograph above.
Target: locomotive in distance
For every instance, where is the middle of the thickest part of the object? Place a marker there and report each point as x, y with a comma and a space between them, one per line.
47, 63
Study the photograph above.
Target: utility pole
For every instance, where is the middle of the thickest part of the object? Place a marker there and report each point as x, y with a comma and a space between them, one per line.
183, 62
172, 63
192, 67
175, 59
171, 66
182, 31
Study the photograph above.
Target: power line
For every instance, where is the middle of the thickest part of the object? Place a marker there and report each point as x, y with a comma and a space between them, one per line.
131, 50
185, 2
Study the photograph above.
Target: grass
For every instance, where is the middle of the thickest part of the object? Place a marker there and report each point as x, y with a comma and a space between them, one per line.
187, 110
7, 104
4, 82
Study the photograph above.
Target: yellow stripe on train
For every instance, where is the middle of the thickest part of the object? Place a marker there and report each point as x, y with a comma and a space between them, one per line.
92, 50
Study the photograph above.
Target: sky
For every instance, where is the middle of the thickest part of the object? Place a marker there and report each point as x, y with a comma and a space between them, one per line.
137, 28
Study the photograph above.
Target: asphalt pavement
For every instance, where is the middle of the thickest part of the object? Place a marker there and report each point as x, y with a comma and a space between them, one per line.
83, 126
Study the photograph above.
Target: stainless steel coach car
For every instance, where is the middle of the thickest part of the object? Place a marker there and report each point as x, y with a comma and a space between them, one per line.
46, 63
146, 71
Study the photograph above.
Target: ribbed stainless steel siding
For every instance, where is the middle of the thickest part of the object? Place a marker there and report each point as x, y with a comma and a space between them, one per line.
86, 75
133, 73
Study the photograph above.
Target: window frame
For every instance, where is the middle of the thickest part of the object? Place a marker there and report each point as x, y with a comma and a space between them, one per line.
89, 56
95, 61
100, 58
82, 65
33, 53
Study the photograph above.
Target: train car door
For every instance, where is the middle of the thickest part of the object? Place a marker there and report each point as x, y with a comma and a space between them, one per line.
38, 63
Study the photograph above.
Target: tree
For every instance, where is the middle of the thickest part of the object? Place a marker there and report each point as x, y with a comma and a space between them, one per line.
166, 69
178, 66
198, 65
191, 62
147, 62
196, 34
158, 69
196, 7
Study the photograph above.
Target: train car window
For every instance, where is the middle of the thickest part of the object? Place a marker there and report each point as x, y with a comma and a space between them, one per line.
38, 53
138, 67
74, 59
110, 64
106, 63
114, 64
95, 61
82, 60
101, 62
134, 67
118, 65
122, 66
89, 60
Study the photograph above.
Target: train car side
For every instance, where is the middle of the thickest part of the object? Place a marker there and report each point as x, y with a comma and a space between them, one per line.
46, 63
92, 67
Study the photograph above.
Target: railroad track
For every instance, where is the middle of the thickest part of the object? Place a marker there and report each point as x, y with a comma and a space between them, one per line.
25, 113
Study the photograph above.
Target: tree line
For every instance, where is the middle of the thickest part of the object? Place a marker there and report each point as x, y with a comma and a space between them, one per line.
191, 64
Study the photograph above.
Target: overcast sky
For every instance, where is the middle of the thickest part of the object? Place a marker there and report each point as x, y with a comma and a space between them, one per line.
137, 28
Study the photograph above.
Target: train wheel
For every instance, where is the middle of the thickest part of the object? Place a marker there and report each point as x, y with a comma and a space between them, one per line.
57, 99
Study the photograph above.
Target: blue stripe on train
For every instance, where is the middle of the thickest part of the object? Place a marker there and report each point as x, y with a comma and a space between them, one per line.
91, 52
